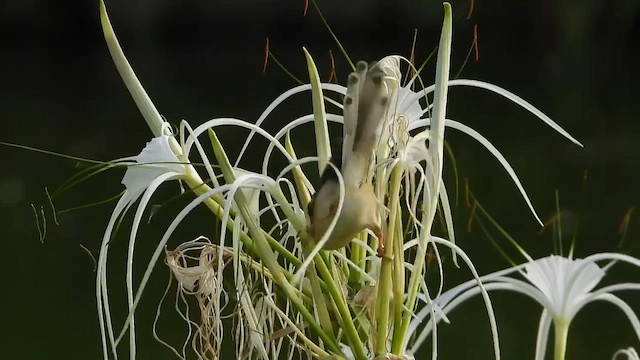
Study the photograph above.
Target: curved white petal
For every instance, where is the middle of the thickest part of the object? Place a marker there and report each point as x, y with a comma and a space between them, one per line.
102, 297
630, 353
339, 89
144, 201
543, 334
492, 149
509, 95
628, 311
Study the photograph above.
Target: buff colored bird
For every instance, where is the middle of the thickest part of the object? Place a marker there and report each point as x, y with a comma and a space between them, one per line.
365, 108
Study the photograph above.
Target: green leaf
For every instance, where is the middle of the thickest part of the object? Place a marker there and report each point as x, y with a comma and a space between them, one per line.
320, 116
144, 103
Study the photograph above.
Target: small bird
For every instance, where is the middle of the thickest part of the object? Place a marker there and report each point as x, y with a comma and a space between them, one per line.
365, 107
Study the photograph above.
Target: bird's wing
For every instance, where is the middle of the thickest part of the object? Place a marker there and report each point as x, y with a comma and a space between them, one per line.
350, 109
364, 111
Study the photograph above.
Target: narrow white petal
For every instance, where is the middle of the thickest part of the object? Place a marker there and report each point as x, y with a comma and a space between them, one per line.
232, 122
102, 298
132, 238
543, 335
496, 153
483, 291
628, 311
630, 353
518, 100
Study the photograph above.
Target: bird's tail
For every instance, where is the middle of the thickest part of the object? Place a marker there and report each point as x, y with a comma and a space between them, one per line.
365, 108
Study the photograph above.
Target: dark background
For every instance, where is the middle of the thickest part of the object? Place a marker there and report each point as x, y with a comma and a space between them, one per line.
574, 60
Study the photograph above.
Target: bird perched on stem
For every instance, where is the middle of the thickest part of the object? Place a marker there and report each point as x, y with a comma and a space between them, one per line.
365, 108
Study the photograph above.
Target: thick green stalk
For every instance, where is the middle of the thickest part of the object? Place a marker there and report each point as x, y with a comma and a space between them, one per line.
562, 331
316, 287
216, 206
323, 146
319, 298
298, 176
343, 310
357, 257
436, 152
386, 269
398, 282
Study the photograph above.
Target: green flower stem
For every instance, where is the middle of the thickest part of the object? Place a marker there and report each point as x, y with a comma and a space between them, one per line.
414, 282
436, 150
324, 154
139, 95
370, 264
346, 271
298, 176
386, 269
250, 262
398, 278
216, 206
381, 189
343, 310
323, 145
357, 256
562, 331
267, 256
318, 297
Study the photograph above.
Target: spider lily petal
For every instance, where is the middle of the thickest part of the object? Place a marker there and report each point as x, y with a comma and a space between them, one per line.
564, 282
630, 353
156, 159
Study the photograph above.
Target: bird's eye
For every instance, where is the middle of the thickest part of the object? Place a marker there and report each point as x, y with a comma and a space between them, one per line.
310, 206
333, 208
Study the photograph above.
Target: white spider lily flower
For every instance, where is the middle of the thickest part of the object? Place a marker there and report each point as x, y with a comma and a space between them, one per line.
155, 165
630, 353
407, 114
155, 160
561, 285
